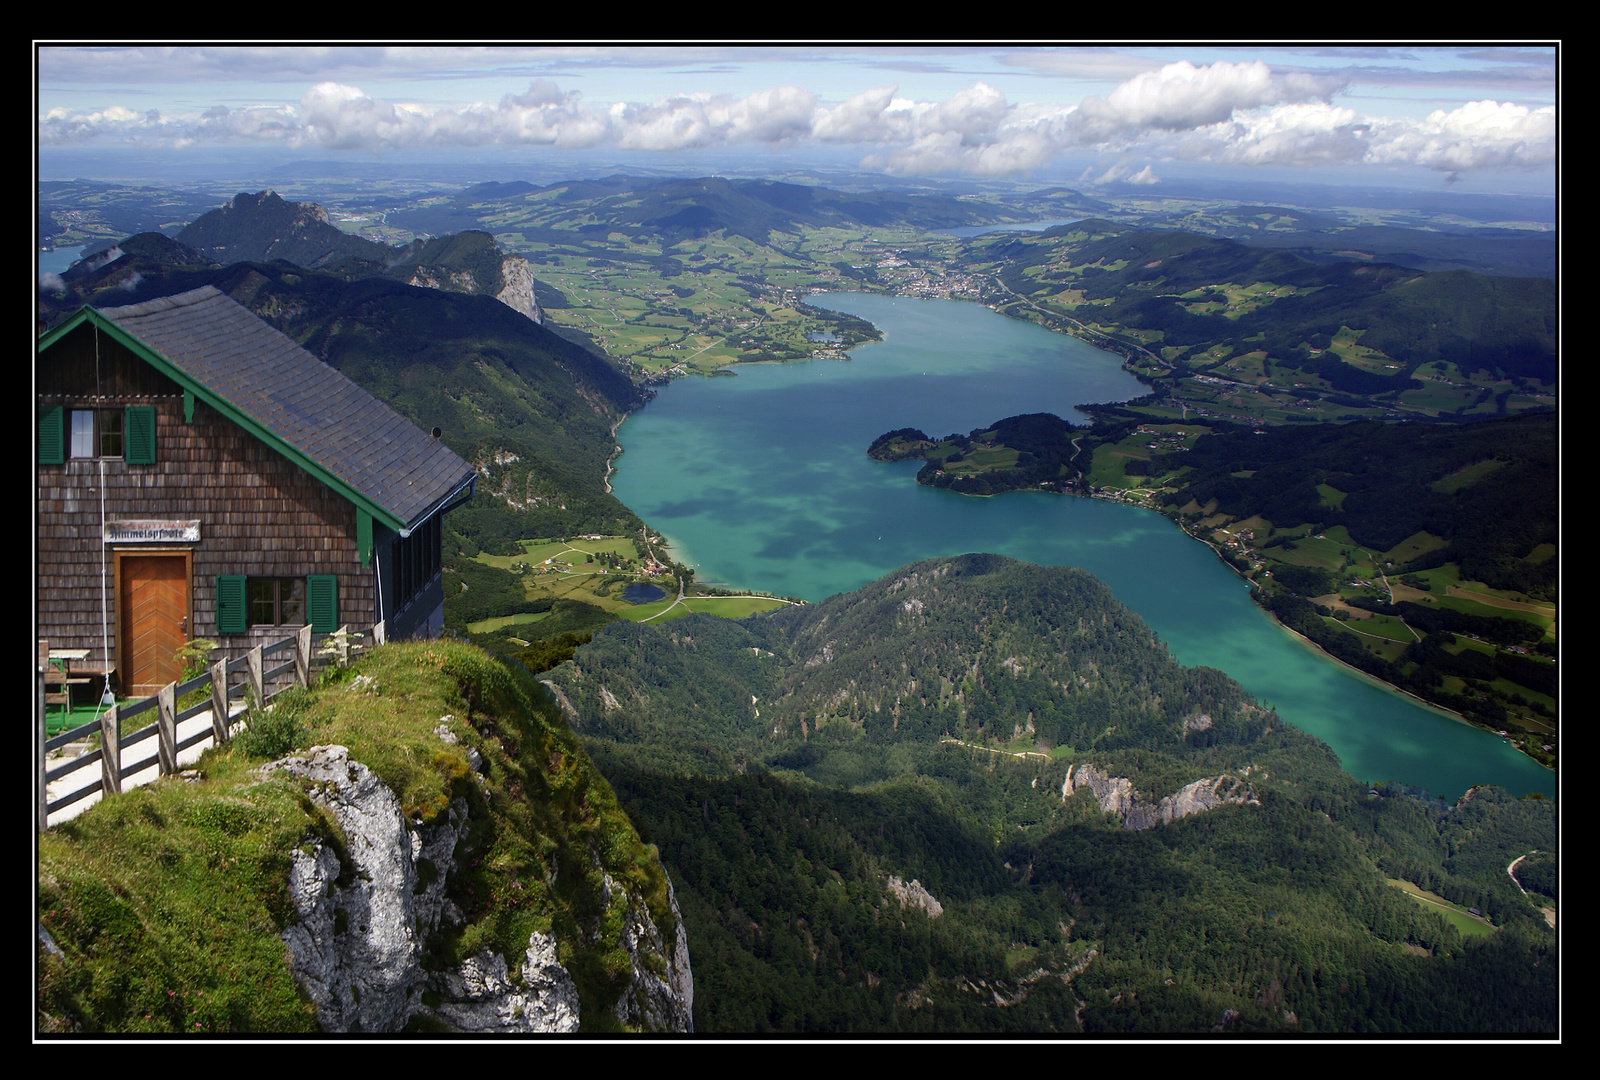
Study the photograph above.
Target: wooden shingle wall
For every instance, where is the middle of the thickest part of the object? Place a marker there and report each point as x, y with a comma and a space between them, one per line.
260, 515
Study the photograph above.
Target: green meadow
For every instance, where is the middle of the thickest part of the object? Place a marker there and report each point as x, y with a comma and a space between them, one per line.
560, 570
1455, 914
728, 607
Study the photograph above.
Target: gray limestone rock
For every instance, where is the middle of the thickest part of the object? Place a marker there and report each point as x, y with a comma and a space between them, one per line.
655, 1001
354, 947
517, 273
368, 897
914, 895
1116, 796
478, 996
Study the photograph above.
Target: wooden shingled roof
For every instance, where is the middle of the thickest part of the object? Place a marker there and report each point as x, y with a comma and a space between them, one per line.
318, 417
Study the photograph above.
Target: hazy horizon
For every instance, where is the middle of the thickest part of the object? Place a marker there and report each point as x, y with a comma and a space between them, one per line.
1440, 119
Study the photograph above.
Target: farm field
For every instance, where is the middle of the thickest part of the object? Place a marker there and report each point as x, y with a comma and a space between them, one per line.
697, 305
484, 626
1380, 644
728, 607
563, 570
536, 552
551, 570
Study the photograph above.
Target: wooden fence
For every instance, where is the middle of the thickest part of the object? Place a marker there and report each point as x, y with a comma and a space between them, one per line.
259, 680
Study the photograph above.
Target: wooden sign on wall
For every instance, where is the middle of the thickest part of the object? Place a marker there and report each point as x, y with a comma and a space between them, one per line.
152, 532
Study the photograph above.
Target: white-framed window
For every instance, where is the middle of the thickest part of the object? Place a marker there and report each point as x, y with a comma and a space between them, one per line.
96, 433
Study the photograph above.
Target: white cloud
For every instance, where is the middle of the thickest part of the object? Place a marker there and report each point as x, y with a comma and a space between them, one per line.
542, 116
671, 124
862, 118
1296, 135
976, 115
341, 117
784, 112
1228, 113
1180, 97
1120, 173
1480, 134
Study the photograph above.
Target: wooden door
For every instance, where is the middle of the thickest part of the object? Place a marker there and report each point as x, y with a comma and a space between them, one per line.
155, 620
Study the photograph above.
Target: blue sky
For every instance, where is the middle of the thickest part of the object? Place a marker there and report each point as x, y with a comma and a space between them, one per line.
1483, 117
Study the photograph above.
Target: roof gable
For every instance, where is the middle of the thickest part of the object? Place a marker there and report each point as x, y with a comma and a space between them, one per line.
313, 414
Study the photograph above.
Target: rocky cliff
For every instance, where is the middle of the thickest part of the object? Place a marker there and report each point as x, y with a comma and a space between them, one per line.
365, 915
471, 263
1115, 795
517, 294
914, 896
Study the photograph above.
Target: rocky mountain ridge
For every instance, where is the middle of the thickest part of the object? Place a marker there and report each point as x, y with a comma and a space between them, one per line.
264, 227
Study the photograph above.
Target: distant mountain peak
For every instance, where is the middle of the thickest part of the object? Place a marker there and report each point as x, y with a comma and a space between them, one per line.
264, 227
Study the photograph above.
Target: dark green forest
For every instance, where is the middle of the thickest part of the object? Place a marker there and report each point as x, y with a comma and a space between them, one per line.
1396, 480
789, 765
1391, 474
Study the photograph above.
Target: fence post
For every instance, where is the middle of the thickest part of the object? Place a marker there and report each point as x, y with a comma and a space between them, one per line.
254, 657
110, 753
302, 656
219, 701
166, 730
44, 798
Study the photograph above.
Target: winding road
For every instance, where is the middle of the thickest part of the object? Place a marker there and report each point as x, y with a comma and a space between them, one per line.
1549, 912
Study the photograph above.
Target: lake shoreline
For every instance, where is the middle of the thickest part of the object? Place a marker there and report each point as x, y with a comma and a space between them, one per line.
762, 481
1365, 676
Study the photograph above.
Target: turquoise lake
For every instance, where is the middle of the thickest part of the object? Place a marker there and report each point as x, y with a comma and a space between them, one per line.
762, 481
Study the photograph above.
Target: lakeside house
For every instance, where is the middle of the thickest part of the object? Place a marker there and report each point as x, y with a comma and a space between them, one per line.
200, 475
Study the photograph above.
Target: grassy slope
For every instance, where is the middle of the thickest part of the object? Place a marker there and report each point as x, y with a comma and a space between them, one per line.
166, 902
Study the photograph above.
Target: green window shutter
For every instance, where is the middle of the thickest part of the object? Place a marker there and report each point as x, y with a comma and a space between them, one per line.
52, 443
139, 435
322, 602
364, 535
231, 608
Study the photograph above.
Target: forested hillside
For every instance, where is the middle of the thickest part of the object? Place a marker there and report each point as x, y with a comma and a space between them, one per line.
1179, 283
263, 227
1248, 333
990, 731
1395, 480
